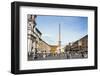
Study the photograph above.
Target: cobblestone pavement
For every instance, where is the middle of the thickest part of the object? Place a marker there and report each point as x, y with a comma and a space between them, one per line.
56, 57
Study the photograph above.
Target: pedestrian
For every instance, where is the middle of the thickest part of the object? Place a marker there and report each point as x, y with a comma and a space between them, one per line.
44, 54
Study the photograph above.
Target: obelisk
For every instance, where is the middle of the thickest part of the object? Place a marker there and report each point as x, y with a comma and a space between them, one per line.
59, 44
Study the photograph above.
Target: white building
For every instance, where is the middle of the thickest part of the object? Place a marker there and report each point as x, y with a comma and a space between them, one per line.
35, 43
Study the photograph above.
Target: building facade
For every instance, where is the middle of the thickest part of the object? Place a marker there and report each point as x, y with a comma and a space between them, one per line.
35, 44
54, 49
33, 35
80, 45
44, 47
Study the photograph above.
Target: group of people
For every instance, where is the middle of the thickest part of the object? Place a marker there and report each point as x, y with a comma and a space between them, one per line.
36, 55
73, 55
69, 55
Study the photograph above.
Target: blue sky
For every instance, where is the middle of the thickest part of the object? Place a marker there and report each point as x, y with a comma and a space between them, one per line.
72, 28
